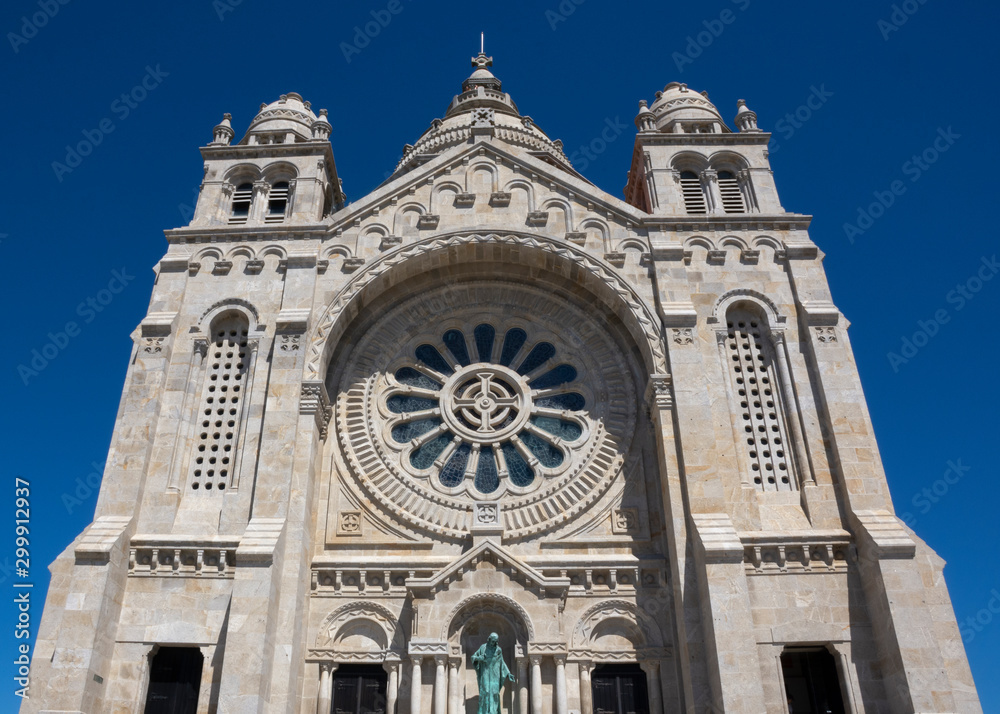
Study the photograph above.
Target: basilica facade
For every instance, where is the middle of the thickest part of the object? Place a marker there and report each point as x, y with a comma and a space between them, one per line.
627, 435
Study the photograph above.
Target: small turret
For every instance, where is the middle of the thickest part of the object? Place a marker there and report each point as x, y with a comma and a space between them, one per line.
746, 120
223, 132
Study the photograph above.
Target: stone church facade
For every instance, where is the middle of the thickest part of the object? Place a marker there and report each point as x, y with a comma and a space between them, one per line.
628, 436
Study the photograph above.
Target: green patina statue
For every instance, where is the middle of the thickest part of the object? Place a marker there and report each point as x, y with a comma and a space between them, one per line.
491, 673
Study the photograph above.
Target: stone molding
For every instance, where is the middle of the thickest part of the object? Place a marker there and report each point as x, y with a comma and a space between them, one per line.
645, 317
260, 541
793, 552
882, 532
716, 538
491, 552
314, 400
101, 538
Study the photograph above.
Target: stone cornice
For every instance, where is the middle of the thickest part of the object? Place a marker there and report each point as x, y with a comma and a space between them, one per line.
728, 222
246, 234
658, 138
246, 151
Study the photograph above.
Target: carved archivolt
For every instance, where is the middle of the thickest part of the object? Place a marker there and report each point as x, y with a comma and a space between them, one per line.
345, 619
638, 316
491, 603
629, 620
434, 418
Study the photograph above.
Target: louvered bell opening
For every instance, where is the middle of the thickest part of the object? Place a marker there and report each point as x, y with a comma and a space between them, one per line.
694, 197
732, 197
277, 203
242, 198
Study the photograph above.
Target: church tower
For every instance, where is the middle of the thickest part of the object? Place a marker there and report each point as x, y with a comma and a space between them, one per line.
626, 436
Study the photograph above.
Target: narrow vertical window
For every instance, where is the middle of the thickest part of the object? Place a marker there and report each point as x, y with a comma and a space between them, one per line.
753, 369
694, 195
242, 200
277, 203
732, 195
221, 405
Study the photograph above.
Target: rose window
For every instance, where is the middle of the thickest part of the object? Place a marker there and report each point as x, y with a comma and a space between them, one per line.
487, 409
489, 393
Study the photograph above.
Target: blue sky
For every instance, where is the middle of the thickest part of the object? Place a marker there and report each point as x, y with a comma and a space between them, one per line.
852, 91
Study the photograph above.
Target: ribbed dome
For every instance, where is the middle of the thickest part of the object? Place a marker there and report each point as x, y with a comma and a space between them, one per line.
289, 114
482, 106
678, 104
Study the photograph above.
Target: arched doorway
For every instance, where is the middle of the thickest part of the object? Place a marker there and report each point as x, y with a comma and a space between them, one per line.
469, 627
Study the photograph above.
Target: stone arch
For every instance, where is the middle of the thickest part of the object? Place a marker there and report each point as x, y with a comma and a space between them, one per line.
404, 223
620, 624
598, 280
361, 628
437, 194
481, 166
601, 229
761, 302
229, 306
472, 620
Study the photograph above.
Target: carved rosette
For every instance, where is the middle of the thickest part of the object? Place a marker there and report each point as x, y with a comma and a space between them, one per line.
488, 392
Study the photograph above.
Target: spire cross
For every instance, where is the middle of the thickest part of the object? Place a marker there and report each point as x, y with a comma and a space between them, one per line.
482, 43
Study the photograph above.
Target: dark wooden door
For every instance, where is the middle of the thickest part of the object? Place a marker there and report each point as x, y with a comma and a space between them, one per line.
619, 689
359, 690
174, 680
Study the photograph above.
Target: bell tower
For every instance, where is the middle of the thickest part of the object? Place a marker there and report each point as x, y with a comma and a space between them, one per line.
687, 162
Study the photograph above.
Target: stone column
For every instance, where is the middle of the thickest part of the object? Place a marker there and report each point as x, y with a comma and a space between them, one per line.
653, 689
392, 688
454, 686
586, 692
415, 683
561, 684
324, 701
536, 684
440, 684
522, 685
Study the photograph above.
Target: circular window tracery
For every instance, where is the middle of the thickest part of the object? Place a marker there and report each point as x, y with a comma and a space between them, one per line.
492, 391
500, 410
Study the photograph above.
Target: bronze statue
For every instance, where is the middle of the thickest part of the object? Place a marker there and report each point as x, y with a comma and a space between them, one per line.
491, 673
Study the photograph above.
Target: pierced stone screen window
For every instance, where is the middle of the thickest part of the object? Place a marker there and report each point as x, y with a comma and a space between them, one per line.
221, 406
242, 199
277, 203
694, 196
754, 373
732, 195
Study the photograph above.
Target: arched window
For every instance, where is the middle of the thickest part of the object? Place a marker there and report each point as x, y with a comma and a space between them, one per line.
694, 195
277, 203
242, 200
732, 195
752, 365
221, 407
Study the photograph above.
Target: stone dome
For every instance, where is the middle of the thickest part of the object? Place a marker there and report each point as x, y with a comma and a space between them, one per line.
482, 107
290, 114
681, 110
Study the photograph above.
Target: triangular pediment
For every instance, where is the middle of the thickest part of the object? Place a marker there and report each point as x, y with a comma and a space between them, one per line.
447, 166
502, 559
